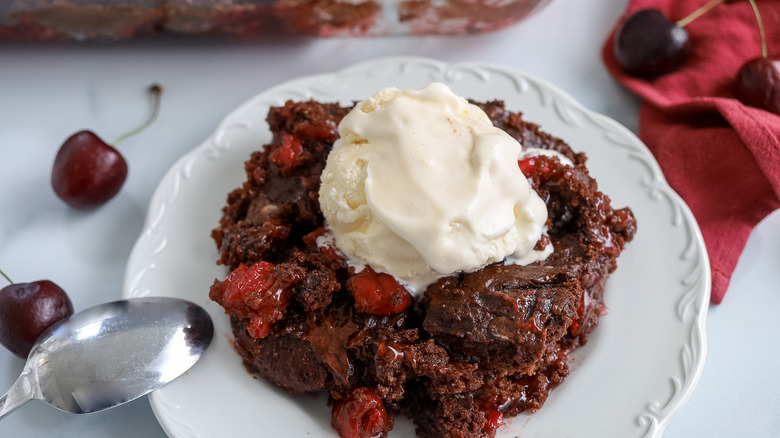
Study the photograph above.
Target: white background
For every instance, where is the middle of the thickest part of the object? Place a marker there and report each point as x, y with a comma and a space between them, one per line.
49, 91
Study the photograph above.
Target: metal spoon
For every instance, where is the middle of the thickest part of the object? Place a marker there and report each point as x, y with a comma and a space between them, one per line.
111, 354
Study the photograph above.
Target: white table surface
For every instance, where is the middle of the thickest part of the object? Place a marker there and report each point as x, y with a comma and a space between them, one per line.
49, 91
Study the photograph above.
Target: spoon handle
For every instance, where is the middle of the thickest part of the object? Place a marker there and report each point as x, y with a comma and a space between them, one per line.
20, 393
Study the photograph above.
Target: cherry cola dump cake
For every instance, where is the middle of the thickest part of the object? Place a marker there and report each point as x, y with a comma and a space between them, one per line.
387, 254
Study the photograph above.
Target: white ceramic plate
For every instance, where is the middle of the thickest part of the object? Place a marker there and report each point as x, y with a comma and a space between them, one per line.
640, 365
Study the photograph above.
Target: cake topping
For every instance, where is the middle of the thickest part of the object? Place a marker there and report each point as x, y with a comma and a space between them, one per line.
421, 184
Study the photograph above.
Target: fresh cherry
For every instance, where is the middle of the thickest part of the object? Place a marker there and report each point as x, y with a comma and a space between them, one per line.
758, 84
758, 80
87, 172
647, 44
27, 310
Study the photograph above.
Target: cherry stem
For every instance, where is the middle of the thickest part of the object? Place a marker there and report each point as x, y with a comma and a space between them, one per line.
156, 91
760, 28
6, 277
698, 13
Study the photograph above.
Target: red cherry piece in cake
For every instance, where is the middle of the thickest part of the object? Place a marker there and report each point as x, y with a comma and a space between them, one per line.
537, 165
494, 421
361, 414
527, 165
288, 155
252, 292
378, 293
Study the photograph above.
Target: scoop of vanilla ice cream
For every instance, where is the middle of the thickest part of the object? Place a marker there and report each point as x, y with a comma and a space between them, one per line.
421, 184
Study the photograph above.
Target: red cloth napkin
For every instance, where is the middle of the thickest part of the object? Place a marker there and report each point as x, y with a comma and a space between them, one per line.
721, 156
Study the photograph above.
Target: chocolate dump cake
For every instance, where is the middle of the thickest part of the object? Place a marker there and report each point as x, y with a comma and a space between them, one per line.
474, 347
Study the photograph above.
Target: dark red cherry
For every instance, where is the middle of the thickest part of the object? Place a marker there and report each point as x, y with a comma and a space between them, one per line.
758, 84
647, 44
87, 171
27, 310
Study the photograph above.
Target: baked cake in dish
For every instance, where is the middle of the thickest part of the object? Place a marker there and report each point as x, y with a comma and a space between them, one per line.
114, 20
472, 348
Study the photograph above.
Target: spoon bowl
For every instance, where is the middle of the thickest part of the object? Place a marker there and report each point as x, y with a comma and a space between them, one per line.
111, 354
